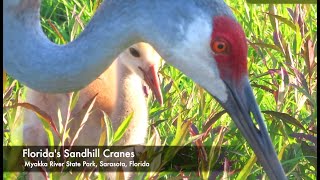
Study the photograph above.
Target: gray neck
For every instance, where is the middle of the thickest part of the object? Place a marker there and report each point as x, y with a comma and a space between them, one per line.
46, 66
130, 99
42, 65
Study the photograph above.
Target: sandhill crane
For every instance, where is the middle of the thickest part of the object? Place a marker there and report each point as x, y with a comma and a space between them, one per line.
119, 93
199, 37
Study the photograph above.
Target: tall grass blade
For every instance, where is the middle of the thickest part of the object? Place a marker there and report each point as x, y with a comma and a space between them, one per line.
122, 128
246, 170
285, 118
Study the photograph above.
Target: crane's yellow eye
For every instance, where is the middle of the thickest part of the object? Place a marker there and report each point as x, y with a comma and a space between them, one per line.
219, 46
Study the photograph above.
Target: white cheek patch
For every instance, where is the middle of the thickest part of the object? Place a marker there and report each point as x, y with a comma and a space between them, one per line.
193, 57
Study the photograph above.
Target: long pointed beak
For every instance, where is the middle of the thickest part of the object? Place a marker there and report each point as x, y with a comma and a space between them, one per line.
152, 80
240, 105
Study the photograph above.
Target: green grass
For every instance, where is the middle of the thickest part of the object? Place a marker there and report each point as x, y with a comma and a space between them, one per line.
282, 73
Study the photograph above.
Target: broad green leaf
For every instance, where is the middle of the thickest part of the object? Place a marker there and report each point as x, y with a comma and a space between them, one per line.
122, 128
270, 46
96, 5
47, 129
274, 23
86, 112
213, 119
216, 148
44, 117
74, 99
284, 20
280, 155
298, 39
181, 133
103, 135
286, 118
306, 93
246, 170
178, 141
109, 129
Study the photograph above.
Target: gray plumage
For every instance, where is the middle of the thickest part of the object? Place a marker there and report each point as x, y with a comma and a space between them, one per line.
181, 32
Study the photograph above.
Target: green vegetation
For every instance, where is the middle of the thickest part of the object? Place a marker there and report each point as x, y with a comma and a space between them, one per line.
282, 63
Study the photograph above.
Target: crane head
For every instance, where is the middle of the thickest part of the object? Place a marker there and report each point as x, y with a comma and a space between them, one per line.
214, 54
229, 49
142, 59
